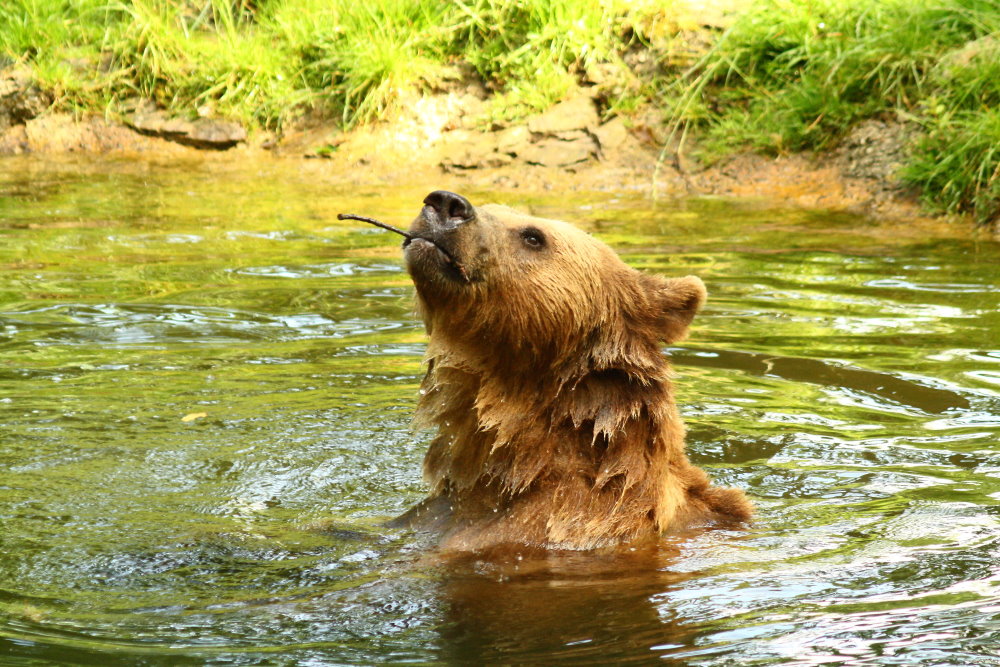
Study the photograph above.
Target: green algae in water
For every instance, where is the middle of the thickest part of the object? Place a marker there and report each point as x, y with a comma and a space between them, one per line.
845, 372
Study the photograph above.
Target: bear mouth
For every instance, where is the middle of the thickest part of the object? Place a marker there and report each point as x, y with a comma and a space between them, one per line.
423, 250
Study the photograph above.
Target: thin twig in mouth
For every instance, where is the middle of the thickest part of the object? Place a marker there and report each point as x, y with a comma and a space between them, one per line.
372, 221
409, 237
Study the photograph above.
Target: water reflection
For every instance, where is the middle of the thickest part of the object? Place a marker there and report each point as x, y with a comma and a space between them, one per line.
570, 608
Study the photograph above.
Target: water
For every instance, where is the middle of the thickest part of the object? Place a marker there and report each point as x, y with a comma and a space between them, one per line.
205, 389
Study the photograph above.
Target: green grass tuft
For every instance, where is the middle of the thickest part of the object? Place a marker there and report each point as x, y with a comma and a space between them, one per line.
791, 75
531, 60
264, 61
956, 164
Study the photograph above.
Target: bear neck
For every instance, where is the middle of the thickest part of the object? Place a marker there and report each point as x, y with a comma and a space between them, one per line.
588, 438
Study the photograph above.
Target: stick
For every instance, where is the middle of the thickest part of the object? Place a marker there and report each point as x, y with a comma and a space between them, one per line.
372, 221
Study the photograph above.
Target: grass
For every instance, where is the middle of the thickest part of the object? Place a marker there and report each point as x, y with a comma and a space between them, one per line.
787, 75
956, 163
266, 61
791, 75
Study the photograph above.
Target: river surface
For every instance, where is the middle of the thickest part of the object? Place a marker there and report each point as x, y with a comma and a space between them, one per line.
206, 384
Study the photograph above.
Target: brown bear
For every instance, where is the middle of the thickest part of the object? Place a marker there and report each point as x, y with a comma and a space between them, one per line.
555, 414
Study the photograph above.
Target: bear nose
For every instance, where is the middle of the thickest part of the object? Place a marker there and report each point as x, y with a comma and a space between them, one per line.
449, 205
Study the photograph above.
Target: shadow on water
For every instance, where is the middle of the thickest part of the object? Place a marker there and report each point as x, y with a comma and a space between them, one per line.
206, 384
905, 392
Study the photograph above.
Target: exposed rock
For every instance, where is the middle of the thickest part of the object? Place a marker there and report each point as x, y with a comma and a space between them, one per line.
512, 139
466, 149
62, 133
200, 133
470, 112
20, 98
603, 74
14, 141
559, 153
612, 134
578, 113
215, 133
610, 81
321, 141
875, 149
560, 137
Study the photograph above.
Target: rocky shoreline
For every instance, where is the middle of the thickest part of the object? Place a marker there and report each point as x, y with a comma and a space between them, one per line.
569, 146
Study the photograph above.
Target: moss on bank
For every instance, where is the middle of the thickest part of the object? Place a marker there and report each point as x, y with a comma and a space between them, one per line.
784, 76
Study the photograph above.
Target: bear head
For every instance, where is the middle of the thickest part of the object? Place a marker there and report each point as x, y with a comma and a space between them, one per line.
538, 291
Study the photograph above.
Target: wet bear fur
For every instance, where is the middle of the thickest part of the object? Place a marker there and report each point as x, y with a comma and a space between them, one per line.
552, 399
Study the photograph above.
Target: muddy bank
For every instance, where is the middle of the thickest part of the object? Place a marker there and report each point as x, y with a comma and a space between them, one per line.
440, 137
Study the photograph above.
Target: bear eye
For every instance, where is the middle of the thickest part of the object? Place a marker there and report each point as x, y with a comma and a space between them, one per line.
533, 238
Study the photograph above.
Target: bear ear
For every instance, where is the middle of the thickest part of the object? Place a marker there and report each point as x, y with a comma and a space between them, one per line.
676, 301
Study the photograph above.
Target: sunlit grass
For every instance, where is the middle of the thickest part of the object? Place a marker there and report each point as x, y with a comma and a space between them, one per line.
268, 60
957, 163
366, 56
792, 75
532, 58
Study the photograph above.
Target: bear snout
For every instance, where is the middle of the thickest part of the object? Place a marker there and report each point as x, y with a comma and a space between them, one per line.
447, 223
448, 208
443, 219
